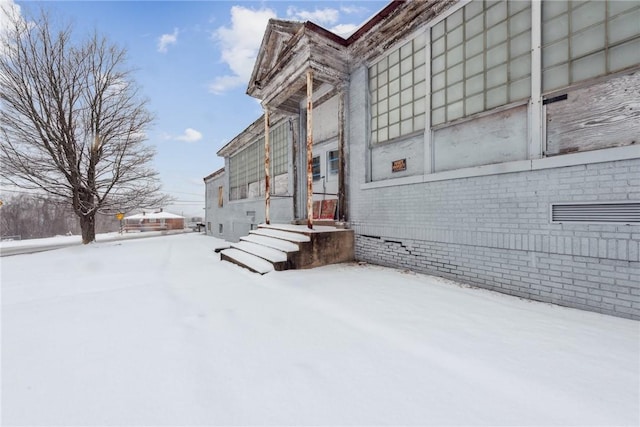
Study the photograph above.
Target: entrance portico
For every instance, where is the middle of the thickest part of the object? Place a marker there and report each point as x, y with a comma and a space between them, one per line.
300, 67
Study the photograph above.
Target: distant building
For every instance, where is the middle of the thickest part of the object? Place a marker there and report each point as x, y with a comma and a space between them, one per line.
214, 218
154, 221
490, 142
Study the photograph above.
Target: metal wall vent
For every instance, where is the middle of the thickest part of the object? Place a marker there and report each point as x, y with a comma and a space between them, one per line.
614, 212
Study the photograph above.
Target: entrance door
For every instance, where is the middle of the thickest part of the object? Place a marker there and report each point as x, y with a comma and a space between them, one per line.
325, 180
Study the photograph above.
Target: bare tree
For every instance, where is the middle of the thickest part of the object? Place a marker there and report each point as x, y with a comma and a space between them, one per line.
72, 121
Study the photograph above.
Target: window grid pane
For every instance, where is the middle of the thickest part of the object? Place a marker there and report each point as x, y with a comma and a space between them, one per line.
489, 67
396, 83
245, 168
279, 150
579, 34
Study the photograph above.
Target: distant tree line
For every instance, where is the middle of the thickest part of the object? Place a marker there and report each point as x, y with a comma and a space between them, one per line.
35, 216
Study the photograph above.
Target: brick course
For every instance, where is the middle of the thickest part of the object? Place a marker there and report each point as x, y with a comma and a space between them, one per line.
577, 282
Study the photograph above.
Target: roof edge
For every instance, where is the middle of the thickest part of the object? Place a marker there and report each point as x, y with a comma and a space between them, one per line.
375, 19
214, 174
228, 145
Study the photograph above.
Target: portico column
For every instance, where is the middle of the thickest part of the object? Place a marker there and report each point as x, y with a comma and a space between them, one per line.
342, 200
267, 161
309, 149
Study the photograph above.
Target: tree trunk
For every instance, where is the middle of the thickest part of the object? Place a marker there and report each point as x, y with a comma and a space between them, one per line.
88, 227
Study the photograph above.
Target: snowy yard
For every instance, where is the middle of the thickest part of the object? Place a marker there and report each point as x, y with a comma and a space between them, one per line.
158, 332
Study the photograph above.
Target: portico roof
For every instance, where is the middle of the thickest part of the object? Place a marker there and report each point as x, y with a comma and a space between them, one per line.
287, 51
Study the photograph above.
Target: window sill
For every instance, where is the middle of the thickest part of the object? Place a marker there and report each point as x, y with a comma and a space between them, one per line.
588, 157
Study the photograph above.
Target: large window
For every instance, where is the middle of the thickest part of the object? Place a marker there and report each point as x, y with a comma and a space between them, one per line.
480, 59
586, 39
246, 168
279, 142
241, 173
398, 89
486, 75
255, 169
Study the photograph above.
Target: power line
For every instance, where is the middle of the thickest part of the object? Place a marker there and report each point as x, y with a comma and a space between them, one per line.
183, 192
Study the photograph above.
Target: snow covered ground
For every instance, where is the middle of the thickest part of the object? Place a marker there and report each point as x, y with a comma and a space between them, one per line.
15, 247
159, 332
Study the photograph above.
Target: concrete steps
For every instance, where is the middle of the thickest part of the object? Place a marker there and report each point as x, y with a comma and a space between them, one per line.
285, 246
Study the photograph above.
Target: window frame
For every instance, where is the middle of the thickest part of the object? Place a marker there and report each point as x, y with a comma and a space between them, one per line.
333, 163
316, 169
404, 107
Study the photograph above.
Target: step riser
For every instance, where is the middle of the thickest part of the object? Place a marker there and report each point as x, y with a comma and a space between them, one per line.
283, 235
270, 242
246, 260
224, 257
270, 255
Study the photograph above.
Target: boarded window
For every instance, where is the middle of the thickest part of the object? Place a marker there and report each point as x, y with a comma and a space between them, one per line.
601, 115
220, 196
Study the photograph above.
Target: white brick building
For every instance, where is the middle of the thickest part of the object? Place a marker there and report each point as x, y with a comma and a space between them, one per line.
494, 143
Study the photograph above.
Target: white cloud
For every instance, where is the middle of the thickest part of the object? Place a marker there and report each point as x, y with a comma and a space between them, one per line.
167, 39
189, 135
239, 44
9, 13
326, 16
222, 84
7, 8
352, 9
344, 30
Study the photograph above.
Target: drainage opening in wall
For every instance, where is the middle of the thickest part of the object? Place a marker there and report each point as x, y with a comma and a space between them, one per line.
596, 213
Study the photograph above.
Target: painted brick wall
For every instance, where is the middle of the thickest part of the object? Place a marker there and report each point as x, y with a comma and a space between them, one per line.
494, 231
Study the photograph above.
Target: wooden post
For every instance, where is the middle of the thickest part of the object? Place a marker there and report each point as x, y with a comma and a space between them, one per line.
309, 149
267, 162
294, 150
342, 208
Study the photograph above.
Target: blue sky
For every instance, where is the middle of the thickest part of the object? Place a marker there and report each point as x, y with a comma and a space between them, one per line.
193, 61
